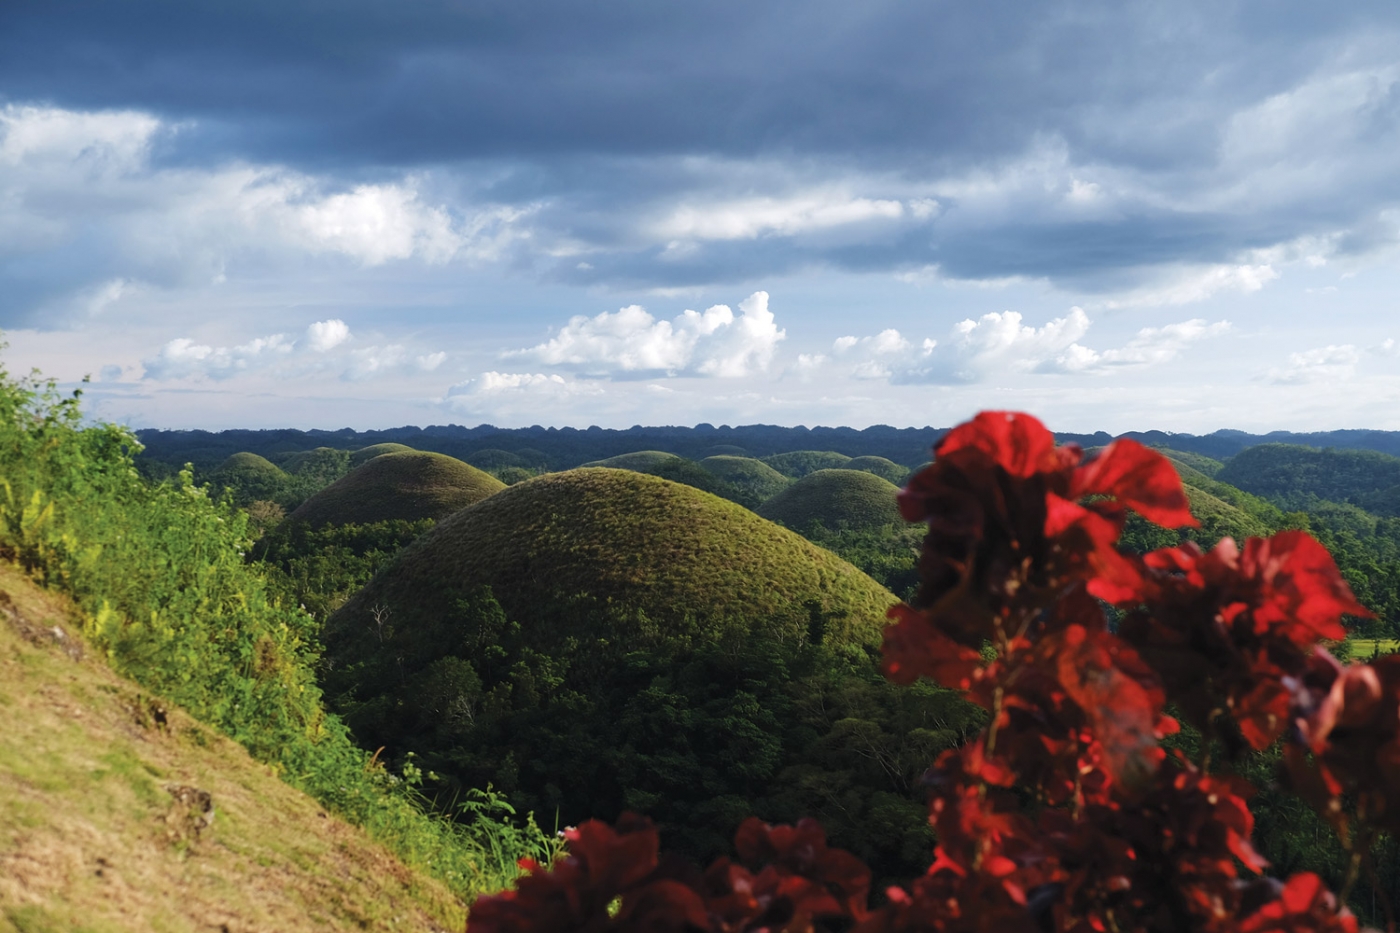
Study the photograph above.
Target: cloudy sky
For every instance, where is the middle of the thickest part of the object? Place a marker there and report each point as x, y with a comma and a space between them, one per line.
1178, 215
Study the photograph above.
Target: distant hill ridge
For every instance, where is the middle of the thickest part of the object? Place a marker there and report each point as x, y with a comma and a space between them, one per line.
563, 448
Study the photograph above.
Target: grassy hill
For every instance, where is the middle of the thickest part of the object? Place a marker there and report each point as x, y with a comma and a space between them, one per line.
405, 486
753, 477
599, 640
102, 810
798, 463
674, 562
880, 466
835, 499
366, 454
1289, 474
643, 461
1198, 462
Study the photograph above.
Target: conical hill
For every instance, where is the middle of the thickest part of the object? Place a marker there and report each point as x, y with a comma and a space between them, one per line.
366, 454
836, 499
752, 476
407, 485
880, 466
644, 557
250, 463
643, 461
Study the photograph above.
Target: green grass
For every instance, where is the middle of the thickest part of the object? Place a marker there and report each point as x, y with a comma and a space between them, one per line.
880, 466
251, 464
798, 463
1363, 649
751, 476
643, 461
1198, 462
494, 459
659, 560
404, 486
835, 499
158, 574
366, 454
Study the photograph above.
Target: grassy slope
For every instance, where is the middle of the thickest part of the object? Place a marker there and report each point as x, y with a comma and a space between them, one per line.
91, 838
798, 463
663, 560
405, 485
880, 466
366, 454
1281, 471
752, 476
643, 461
836, 498
250, 463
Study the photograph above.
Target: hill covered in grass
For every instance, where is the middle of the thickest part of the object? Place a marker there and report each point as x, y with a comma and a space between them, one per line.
120, 812
798, 463
365, 454
600, 640
880, 466
754, 478
660, 555
403, 486
643, 461
1289, 474
836, 499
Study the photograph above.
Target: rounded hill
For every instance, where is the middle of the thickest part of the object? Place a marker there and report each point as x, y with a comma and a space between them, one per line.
250, 463
601, 640
836, 499
643, 461
754, 477
798, 463
724, 450
880, 466
651, 558
407, 486
366, 454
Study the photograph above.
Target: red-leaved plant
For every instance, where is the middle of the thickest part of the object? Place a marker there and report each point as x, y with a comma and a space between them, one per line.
1065, 814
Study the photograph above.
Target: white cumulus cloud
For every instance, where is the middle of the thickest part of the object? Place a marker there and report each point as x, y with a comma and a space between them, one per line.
326, 335
715, 342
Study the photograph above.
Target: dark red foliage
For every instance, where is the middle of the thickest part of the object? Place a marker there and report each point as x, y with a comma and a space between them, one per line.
1065, 814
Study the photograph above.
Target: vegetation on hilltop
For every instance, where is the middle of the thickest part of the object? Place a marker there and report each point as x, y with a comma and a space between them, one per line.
754, 479
642, 461
880, 466
322, 465
365, 454
404, 486
798, 463
599, 640
836, 499
1290, 474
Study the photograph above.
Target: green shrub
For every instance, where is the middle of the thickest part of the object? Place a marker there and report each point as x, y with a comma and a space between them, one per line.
158, 571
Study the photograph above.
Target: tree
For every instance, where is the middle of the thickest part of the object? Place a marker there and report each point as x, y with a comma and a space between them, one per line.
1067, 812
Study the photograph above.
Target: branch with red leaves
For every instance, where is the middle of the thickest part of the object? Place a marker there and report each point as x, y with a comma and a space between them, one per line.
1065, 814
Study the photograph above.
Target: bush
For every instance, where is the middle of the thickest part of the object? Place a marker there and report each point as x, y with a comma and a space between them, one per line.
158, 571
1068, 812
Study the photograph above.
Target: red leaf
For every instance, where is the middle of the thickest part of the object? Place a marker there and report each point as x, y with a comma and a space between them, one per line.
1017, 443
1139, 478
1119, 697
1307, 594
913, 648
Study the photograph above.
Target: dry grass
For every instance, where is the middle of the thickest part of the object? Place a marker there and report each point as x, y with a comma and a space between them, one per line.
118, 812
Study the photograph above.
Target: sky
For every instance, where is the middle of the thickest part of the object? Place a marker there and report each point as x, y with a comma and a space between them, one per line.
1181, 215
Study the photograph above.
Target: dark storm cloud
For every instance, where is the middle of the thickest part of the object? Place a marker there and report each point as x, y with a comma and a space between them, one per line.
684, 144
414, 82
